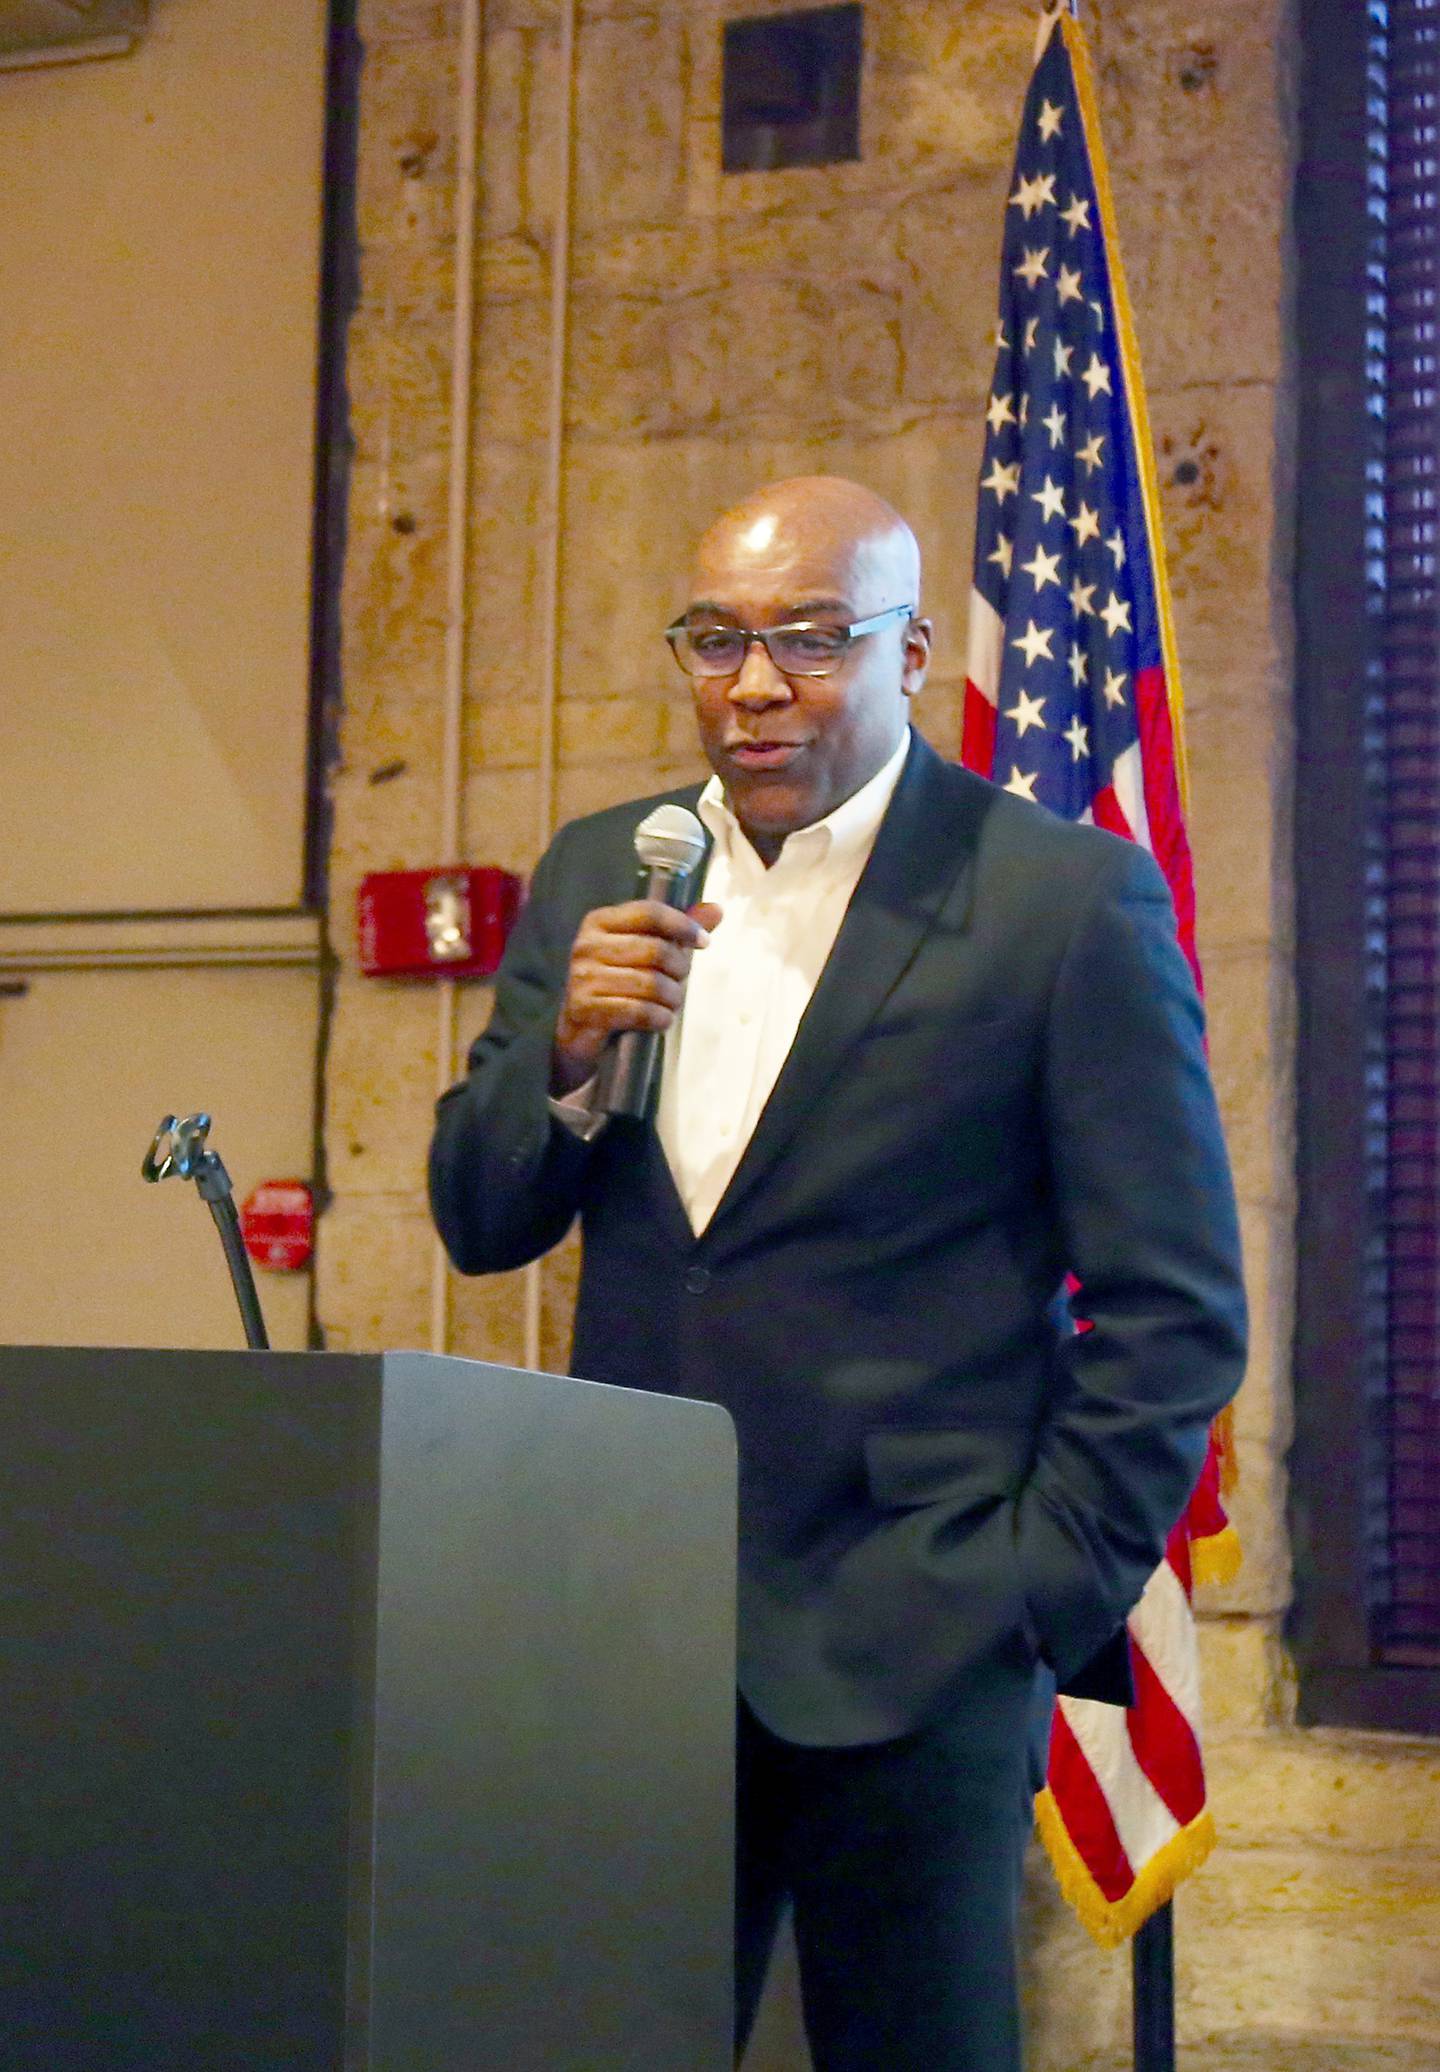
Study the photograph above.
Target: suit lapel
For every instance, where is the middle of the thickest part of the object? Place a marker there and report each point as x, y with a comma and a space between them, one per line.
920, 863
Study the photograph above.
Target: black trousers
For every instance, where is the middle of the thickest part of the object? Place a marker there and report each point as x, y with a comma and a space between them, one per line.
901, 1861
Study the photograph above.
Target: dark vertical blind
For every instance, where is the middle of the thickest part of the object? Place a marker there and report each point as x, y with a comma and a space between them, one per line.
1402, 772
1365, 1466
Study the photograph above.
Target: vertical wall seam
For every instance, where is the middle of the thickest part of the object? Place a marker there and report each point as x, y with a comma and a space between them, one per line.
457, 597
553, 522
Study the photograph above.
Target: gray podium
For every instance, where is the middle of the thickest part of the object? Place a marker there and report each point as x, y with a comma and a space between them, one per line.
370, 1713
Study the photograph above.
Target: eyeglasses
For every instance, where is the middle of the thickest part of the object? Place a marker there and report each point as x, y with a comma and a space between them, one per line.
798, 650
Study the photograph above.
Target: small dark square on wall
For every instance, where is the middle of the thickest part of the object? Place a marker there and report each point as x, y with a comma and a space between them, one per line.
791, 89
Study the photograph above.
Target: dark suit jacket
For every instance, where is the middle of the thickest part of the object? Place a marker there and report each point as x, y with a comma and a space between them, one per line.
1000, 1078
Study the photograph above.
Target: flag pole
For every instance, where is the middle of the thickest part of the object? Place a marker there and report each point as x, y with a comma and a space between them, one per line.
1152, 1947
1152, 1975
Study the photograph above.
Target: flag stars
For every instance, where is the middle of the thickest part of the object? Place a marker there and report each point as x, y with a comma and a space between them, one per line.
1051, 499
1097, 377
1116, 614
1043, 568
1054, 423
1089, 453
1077, 216
1033, 268
1063, 357
1116, 545
1000, 412
1078, 664
1082, 599
1099, 309
1022, 786
1085, 525
1068, 286
1049, 121
1032, 329
1113, 688
1027, 712
1035, 642
1079, 738
1033, 195
1002, 481
1003, 554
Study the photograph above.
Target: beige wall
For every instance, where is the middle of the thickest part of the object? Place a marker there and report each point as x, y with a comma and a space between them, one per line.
730, 328
159, 254
159, 249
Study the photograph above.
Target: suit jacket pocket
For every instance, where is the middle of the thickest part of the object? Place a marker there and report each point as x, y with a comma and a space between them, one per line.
907, 1466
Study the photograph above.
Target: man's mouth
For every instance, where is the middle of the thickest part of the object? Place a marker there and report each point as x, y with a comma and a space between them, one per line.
763, 755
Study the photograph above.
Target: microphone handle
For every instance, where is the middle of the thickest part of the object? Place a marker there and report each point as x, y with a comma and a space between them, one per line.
628, 1073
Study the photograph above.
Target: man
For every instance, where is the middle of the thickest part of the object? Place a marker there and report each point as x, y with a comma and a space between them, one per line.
927, 1049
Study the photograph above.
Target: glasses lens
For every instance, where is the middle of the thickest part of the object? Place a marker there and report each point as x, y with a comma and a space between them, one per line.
708, 650
806, 650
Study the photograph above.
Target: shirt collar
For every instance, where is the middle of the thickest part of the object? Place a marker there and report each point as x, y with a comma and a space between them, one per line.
843, 833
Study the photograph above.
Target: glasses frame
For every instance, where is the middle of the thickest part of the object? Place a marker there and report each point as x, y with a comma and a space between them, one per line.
750, 634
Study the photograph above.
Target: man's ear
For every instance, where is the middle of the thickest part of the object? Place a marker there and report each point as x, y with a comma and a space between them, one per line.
918, 636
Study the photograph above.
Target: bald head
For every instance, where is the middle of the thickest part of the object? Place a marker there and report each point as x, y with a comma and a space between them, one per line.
820, 551
824, 517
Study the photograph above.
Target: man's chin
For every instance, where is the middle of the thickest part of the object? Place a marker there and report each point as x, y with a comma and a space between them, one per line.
766, 802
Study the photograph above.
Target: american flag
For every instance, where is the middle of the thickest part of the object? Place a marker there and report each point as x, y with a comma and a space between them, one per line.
1072, 700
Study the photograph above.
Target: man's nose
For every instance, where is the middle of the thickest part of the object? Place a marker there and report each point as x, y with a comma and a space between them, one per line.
759, 682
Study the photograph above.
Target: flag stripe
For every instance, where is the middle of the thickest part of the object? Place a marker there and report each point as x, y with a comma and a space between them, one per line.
1087, 1813
986, 648
1107, 812
1162, 1620
1162, 797
1130, 791
1165, 1746
1143, 1821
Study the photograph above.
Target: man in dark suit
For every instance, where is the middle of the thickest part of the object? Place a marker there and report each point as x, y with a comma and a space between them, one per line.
937, 1049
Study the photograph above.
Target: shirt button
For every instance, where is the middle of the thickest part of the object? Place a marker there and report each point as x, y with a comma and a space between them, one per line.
697, 1279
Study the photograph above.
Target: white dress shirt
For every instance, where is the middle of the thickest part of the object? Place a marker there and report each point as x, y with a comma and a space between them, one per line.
749, 987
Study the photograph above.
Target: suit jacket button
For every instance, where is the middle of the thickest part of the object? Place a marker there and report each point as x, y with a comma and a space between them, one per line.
697, 1279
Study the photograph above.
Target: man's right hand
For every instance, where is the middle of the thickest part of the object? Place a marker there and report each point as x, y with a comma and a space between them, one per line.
628, 968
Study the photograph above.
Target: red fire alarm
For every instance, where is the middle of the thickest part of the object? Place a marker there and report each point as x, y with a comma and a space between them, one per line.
436, 923
277, 1222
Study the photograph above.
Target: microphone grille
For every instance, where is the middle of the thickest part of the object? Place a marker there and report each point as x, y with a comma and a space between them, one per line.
670, 838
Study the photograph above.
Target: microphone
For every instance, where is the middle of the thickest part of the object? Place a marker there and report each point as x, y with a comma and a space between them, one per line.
669, 844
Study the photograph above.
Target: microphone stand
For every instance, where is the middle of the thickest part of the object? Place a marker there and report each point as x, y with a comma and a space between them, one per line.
179, 1149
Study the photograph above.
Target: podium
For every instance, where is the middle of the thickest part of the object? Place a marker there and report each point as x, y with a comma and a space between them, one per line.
361, 1715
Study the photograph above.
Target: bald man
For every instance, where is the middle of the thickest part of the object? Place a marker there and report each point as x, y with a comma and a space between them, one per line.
926, 1050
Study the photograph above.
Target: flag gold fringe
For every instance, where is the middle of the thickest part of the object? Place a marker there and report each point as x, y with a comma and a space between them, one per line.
1217, 1558
1112, 1922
